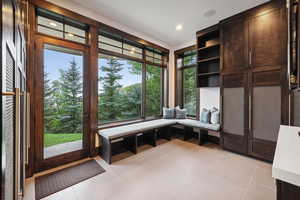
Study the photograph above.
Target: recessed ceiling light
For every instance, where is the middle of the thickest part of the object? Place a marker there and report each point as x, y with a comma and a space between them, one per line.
52, 24
179, 27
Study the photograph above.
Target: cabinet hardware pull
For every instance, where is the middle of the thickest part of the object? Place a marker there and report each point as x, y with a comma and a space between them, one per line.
249, 114
250, 58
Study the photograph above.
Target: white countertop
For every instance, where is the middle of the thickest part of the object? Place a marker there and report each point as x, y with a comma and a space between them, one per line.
286, 165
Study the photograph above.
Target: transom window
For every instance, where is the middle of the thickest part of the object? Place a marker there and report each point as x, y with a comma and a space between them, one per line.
111, 42
117, 44
188, 58
56, 25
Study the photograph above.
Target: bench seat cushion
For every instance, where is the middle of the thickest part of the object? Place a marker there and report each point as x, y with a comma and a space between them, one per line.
121, 131
199, 124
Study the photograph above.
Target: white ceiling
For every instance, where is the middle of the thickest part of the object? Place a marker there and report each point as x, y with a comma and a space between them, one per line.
158, 18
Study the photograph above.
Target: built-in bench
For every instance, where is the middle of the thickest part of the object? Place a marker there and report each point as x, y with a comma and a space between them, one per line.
150, 129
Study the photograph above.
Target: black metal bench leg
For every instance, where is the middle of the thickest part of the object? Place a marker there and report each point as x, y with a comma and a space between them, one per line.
165, 133
202, 136
150, 137
106, 150
131, 143
188, 133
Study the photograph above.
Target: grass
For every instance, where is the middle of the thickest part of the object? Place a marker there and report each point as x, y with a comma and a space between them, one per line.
51, 139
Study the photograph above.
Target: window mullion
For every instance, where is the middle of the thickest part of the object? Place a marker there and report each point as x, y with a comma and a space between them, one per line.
143, 104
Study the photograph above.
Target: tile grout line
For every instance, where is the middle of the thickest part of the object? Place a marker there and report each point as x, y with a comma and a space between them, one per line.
249, 184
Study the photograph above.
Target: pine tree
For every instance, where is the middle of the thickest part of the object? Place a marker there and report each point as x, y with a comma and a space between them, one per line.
48, 104
109, 100
70, 100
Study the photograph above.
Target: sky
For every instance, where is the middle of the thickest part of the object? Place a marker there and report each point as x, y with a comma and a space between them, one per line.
55, 60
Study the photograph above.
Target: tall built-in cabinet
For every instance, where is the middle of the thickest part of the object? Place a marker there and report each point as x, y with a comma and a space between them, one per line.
254, 79
14, 99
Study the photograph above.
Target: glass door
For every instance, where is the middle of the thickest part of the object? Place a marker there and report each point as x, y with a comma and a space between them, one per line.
63, 100
60, 88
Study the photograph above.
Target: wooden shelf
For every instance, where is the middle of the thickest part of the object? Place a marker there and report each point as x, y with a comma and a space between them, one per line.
209, 74
208, 53
209, 59
209, 47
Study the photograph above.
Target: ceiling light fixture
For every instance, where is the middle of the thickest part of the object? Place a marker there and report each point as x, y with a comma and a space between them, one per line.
179, 27
70, 35
52, 24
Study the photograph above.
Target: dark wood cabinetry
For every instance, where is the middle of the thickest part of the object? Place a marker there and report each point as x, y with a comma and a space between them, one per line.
268, 40
235, 45
234, 94
14, 99
254, 77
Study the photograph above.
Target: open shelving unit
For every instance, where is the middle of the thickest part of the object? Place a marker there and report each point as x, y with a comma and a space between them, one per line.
208, 57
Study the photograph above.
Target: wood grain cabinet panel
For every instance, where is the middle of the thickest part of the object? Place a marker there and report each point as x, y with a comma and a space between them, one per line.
267, 42
235, 45
235, 112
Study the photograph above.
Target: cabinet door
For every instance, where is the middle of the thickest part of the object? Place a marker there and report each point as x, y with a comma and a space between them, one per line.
267, 108
295, 111
235, 45
234, 112
267, 40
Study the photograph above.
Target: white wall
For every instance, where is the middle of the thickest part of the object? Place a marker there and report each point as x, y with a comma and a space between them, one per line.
209, 97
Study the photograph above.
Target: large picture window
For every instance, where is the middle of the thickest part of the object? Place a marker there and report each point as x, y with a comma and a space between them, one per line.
130, 80
119, 89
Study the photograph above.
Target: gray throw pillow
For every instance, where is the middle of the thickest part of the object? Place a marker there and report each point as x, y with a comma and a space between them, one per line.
180, 113
215, 117
205, 116
168, 113
214, 109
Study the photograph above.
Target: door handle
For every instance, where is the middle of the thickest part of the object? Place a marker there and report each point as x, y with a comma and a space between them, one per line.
250, 58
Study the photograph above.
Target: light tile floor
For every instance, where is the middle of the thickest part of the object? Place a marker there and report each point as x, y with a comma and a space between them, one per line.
175, 170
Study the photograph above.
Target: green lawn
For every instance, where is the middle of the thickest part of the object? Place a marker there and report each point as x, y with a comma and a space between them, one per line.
51, 139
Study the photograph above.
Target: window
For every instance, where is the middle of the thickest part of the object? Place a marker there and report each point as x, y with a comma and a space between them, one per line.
154, 56
188, 58
60, 26
117, 44
189, 90
153, 90
120, 89
186, 77
131, 79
